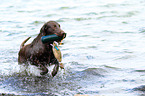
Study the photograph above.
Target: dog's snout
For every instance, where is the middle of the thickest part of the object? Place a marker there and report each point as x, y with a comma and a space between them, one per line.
62, 34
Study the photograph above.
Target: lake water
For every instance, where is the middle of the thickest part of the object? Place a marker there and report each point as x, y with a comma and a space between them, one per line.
103, 54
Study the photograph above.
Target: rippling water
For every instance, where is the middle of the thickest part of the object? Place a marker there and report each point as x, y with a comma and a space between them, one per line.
104, 52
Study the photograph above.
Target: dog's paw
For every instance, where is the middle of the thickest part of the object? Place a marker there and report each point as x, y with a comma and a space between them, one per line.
43, 68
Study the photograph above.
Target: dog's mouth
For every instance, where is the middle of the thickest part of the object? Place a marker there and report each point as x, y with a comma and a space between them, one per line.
63, 35
52, 38
60, 41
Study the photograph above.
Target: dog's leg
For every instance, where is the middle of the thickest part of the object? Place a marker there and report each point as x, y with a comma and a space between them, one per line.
44, 69
55, 69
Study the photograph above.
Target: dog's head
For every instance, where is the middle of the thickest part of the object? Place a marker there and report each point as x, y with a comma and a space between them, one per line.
52, 27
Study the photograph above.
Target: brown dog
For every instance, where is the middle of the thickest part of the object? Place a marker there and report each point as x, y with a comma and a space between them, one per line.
40, 54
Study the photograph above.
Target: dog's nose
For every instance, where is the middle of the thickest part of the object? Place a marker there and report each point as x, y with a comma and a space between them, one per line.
64, 35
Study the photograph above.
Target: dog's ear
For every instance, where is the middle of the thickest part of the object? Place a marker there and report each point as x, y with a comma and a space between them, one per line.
43, 29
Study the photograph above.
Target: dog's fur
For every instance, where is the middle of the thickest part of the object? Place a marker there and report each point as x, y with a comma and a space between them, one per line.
39, 54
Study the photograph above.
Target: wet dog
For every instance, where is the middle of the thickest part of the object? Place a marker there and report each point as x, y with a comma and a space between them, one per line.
39, 54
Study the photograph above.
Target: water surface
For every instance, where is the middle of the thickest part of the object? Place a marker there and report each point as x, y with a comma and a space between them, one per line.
103, 53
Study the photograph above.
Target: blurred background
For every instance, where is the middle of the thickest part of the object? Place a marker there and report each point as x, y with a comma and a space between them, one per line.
103, 54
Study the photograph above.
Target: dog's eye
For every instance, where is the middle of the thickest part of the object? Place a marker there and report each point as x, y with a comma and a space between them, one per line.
54, 25
59, 25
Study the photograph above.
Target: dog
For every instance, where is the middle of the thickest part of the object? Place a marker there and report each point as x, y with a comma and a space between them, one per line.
39, 54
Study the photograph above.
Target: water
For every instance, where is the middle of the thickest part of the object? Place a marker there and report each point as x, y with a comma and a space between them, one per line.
103, 53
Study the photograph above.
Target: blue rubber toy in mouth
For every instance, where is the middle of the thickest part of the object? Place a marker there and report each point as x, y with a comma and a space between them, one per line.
51, 38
